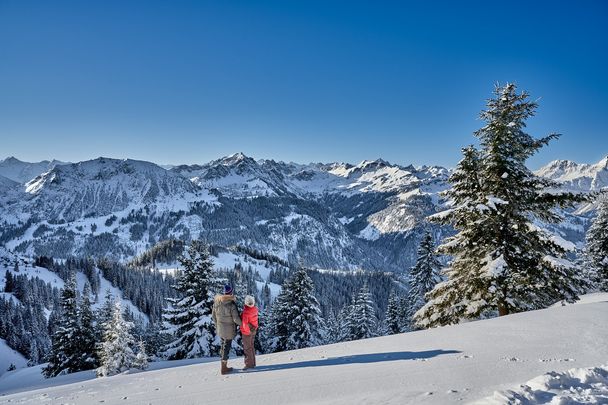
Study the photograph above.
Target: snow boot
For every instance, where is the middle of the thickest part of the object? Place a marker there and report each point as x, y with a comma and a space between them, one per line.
225, 368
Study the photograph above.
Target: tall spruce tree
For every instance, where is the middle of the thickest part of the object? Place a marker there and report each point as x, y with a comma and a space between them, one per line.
424, 275
66, 354
503, 262
296, 320
393, 319
116, 350
364, 315
597, 245
86, 336
347, 320
188, 318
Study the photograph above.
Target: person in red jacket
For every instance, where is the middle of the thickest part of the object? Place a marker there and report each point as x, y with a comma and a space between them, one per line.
249, 327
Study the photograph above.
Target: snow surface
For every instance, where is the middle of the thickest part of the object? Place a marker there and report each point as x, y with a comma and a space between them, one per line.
32, 271
461, 363
8, 356
106, 285
575, 386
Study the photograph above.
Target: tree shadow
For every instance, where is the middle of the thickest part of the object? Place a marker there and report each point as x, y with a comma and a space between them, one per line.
356, 359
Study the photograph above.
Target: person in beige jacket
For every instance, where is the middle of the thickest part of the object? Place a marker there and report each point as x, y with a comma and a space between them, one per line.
226, 318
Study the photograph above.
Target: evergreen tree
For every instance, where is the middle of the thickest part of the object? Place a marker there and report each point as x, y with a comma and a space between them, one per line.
34, 354
424, 276
9, 284
502, 261
296, 320
116, 349
66, 354
348, 321
87, 337
188, 318
394, 315
104, 314
141, 359
366, 323
597, 245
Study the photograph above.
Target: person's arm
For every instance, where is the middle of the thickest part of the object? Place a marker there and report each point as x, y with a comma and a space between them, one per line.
235, 315
245, 324
214, 314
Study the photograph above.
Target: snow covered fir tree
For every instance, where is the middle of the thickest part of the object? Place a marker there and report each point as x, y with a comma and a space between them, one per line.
596, 254
395, 315
363, 316
295, 321
68, 354
116, 348
424, 276
502, 260
188, 317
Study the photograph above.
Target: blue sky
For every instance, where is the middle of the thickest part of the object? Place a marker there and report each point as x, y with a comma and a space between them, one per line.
189, 81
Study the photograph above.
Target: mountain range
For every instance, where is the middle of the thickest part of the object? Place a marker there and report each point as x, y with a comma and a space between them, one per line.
332, 216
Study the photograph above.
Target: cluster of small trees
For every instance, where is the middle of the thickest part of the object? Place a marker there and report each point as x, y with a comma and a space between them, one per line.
84, 340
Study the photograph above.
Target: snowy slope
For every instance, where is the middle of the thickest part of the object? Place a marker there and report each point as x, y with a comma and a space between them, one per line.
9, 356
455, 364
577, 176
6, 183
22, 172
102, 186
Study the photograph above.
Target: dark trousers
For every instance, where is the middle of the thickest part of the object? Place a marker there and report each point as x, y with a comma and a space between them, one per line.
248, 349
225, 348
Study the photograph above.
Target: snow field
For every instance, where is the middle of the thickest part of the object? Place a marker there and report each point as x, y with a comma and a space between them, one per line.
455, 364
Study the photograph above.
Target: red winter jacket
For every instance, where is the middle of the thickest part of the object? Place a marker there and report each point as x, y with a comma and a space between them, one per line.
249, 318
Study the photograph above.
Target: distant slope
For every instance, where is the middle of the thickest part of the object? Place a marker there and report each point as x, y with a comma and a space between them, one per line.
577, 176
9, 356
22, 172
455, 364
330, 216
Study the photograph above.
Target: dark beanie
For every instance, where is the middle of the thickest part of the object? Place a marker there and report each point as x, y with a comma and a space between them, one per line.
227, 289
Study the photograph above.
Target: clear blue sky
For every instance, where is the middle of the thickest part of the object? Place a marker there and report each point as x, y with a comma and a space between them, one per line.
189, 81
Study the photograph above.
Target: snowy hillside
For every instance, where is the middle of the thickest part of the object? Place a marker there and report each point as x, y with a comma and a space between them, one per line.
22, 172
334, 216
483, 361
577, 176
9, 356
328, 216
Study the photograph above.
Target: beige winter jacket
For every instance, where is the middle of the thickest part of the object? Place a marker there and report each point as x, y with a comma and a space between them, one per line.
225, 316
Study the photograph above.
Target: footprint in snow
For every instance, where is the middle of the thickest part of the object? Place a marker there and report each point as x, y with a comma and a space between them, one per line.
557, 360
512, 359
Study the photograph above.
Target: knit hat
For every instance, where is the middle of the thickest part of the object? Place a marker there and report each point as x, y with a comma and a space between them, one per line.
249, 301
228, 289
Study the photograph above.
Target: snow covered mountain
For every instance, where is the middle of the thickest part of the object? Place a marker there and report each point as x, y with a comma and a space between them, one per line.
577, 176
102, 186
327, 215
22, 172
488, 361
337, 215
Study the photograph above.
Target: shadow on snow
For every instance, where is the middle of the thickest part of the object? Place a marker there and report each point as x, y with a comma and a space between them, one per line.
355, 359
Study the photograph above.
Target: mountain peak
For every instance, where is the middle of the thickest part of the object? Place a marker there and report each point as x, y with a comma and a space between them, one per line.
236, 158
602, 164
11, 159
